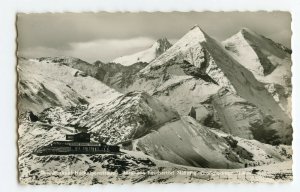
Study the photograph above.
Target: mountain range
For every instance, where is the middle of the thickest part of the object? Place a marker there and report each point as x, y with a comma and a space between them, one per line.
198, 102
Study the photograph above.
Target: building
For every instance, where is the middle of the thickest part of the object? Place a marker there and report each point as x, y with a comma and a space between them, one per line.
79, 137
77, 144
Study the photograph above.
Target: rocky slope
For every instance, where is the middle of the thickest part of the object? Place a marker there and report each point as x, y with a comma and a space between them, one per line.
119, 76
237, 116
127, 117
146, 56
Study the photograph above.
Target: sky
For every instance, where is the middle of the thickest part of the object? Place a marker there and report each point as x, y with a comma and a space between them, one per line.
105, 36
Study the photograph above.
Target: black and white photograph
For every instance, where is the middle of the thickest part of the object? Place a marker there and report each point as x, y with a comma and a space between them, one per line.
154, 97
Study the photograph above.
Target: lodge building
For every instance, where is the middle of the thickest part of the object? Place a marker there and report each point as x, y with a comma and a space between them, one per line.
77, 144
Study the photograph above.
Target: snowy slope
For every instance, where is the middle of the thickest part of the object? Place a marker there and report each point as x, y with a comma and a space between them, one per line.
114, 75
92, 70
43, 84
177, 85
147, 55
186, 142
57, 169
127, 117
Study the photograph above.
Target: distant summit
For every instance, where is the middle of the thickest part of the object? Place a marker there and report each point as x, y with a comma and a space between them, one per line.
148, 55
162, 45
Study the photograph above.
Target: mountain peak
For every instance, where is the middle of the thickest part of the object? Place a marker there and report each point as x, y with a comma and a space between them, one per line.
191, 39
148, 55
196, 34
254, 50
198, 29
162, 40
196, 26
246, 32
98, 63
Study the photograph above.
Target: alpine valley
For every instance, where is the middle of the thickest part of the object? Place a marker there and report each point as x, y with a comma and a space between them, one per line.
200, 110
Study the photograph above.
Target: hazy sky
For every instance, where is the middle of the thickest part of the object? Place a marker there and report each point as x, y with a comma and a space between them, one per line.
105, 36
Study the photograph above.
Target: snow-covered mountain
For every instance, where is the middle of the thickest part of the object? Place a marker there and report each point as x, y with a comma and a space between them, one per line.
197, 67
269, 62
43, 84
200, 50
259, 54
148, 55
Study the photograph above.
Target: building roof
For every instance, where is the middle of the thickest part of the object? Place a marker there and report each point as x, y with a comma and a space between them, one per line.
71, 143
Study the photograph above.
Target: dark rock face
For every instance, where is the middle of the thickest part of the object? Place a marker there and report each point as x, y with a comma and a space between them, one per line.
192, 112
119, 76
32, 117
240, 151
119, 164
197, 72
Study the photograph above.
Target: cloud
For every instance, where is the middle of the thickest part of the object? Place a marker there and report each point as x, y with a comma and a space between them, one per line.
283, 37
100, 49
74, 33
39, 51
